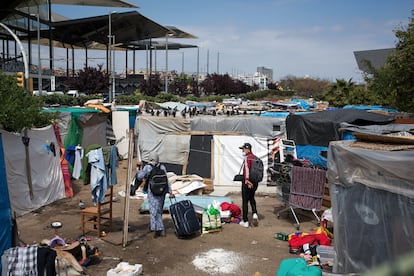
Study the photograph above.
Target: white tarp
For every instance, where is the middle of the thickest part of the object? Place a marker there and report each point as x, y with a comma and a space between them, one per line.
46, 173
120, 125
228, 157
157, 134
246, 125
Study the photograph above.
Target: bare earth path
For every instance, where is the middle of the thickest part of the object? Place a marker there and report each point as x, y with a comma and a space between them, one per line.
233, 251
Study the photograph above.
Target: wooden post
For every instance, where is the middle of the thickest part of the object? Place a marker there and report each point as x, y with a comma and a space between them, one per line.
185, 162
127, 188
26, 141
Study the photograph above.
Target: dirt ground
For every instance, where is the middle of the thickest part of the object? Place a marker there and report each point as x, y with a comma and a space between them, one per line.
249, 250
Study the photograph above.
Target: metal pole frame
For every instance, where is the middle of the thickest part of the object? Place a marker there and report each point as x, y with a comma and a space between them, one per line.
166, 63
110, 57
26, 66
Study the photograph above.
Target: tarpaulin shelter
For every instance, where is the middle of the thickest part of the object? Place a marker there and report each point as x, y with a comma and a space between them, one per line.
372, 195
319, 128
82, 126
207, 146
34, 175
312, 132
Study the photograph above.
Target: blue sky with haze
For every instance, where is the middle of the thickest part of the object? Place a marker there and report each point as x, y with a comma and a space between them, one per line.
293, 37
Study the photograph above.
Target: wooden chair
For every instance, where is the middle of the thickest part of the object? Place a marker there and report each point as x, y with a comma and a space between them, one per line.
96, 217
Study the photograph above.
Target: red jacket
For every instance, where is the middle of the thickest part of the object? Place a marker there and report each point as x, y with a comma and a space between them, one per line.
248, 159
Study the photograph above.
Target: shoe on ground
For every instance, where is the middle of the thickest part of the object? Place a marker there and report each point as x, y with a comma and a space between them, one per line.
255, 219
244, 223
157, 234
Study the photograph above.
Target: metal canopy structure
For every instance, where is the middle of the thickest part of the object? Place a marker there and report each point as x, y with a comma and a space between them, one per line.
17, 7
156, 45
96, 3
177, 33
92, 32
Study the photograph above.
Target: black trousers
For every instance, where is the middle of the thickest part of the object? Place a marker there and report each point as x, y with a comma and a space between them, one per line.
248, 196
46, 261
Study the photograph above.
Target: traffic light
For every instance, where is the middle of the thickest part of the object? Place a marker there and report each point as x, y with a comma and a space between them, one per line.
20, 79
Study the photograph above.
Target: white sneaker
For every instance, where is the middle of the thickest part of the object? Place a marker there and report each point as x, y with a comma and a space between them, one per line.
244, 223
255, 219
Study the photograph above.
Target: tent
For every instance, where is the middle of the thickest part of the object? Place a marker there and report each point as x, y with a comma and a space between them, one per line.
207, 146
33, 173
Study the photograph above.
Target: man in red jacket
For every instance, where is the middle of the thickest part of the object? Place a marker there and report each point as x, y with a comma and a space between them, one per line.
248, 187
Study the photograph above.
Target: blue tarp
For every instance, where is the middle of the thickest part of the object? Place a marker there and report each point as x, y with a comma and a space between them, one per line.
198, 201
301, 103
281, 114
5, 214
313, 154
371, 107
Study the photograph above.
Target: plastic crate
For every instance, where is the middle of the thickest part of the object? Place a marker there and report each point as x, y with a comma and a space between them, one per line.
326, 253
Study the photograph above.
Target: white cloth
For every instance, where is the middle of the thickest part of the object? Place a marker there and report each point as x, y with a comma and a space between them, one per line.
77, 167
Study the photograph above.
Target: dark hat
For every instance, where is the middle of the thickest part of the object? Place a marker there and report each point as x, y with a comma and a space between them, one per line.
246, 146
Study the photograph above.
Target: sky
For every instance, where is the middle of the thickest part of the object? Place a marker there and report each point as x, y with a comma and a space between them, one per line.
301, 38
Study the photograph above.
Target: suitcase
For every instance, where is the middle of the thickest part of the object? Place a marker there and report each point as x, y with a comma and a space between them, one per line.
184, 218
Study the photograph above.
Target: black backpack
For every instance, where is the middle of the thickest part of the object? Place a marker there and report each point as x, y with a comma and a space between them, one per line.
158, 180
256, 170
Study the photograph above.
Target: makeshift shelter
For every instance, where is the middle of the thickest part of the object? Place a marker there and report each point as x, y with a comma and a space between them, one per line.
81, 126
207, 146
312, 132
34, 175
372, 195
319, 128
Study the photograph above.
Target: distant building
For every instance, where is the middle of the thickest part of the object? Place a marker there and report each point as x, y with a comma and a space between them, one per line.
376, 58
265, 71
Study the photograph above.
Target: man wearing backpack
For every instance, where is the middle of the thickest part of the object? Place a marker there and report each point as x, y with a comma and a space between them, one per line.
249, 186
155, 173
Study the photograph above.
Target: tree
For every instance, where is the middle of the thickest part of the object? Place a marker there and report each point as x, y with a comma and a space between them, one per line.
305, 87
394, 83
19, 109
216, 84
339, 92
90, 80
181, 85
151, 86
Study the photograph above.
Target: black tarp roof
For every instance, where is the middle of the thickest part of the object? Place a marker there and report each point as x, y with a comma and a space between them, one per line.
319, 128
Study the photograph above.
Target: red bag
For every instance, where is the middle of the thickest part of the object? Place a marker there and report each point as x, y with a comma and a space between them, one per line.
234, 209
301, 239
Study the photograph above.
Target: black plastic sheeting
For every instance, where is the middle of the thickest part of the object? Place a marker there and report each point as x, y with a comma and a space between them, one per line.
199, 159
319, 128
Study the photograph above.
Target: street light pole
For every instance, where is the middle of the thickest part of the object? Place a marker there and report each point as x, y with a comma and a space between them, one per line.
218, 63
113, 69
111, 86
166, 63
182, 63
110, 56
39, 69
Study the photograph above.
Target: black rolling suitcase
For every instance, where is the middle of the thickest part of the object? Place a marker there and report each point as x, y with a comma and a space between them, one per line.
184, 218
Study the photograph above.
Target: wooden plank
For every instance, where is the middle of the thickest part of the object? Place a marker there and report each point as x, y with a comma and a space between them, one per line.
204, 133
127, 188
185, 158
